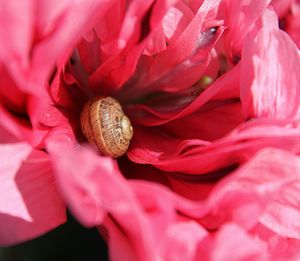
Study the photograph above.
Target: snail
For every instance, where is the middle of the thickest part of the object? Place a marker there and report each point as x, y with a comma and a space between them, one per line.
105, 125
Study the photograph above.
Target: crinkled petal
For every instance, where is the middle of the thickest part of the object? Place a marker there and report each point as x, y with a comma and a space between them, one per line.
263, 191
195, 156
275, 92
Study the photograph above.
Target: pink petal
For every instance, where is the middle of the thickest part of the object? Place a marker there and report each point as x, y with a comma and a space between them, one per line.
125, 50
144, 219
10, 95
94, 188
213, 121
49, 32
265, 191
196, 156
233, 243
279, 248
17, 127
272, 93
17, 18
182, 240
176, 20
240, 19
281, 6
293, 23
188, 55
30, 204
172, 108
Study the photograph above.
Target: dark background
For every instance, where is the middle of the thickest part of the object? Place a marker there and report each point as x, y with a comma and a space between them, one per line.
70, 241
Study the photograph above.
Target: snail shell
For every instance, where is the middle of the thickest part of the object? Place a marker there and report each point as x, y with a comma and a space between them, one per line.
105, 125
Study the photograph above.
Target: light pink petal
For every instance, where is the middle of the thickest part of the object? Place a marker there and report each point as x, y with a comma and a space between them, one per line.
94, 189
269, 82
265, 191
176, 234
182, 240
231, 242
30, 204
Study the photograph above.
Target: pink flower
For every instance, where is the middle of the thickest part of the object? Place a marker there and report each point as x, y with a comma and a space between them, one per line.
212, 92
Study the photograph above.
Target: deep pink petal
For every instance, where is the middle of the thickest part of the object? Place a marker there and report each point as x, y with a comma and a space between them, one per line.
197, 156
184, 103
128, 46
293, 23
281, 6
188, 55
213, 121
30, 204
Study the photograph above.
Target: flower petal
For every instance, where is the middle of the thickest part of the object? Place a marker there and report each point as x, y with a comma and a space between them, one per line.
96, 193
30, 204
197, 156
232, 241
240, 19
279, 248
121, 55
49, 32
265, 190
272, 93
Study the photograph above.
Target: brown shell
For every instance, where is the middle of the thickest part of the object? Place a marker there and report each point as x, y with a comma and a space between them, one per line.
106, 126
